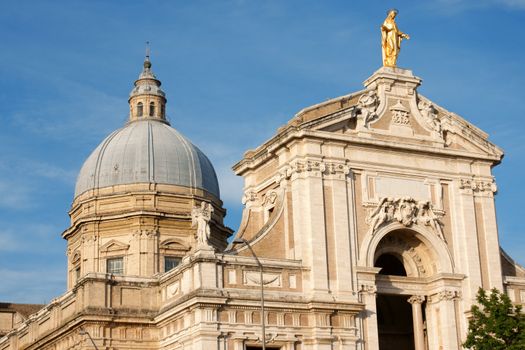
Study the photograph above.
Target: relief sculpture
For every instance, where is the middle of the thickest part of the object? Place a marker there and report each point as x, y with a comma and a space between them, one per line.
407, 211
367, 107
430, 113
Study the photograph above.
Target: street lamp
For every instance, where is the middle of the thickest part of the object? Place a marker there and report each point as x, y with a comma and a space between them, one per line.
82, 331
263, 322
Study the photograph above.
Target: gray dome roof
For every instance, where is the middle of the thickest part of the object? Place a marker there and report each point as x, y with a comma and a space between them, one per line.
147, 151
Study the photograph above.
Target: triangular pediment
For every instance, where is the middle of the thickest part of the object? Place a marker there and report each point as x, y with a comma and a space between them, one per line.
391, 110
389, 113
114, 245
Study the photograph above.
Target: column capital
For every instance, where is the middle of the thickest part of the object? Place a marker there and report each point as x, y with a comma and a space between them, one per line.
416, 299
447, 295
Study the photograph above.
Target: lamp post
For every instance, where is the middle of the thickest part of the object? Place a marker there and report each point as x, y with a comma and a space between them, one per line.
263, 321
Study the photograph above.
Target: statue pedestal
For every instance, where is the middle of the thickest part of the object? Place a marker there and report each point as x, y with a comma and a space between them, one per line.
204, 251
389, 79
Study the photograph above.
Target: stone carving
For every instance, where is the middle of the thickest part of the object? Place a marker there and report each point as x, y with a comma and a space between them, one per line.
270, 198
367, 107
148, 233
200, 218
400, 114
445, 295
383, 213
478, 185
312, 166
416, 299
427, 217
173, 289
284, 174
334, 168
430, 113
406, 211
253, 278
249, 196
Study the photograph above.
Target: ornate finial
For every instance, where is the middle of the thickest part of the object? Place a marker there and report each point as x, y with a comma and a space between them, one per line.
391, 38
147, 63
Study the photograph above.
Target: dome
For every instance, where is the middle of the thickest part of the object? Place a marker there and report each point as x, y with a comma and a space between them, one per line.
147, 151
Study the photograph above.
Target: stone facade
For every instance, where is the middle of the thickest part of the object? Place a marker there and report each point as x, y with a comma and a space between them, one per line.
362, 205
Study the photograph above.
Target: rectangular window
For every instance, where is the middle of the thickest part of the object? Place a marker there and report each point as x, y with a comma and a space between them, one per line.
171, 262
115, 266
77, 273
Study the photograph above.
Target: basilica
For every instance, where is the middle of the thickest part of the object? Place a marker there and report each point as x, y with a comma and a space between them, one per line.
369, 223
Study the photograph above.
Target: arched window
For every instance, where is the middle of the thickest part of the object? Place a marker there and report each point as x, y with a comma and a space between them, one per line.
152, 109
140, 109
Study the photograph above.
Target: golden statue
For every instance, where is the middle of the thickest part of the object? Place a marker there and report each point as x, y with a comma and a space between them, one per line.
391, 39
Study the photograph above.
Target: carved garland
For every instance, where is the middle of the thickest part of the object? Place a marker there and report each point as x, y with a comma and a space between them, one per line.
478, 185
311, 166
406, 211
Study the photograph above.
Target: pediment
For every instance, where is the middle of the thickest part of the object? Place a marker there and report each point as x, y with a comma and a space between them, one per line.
388, 113
76, 257
114, 245
391, 110
174, 244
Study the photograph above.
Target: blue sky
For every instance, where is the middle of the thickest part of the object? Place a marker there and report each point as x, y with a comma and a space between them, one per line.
234, 71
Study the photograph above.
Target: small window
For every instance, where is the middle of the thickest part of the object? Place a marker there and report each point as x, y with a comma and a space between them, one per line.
115, 266
151, 109
171, 262
162, 110
140, 109
77, 273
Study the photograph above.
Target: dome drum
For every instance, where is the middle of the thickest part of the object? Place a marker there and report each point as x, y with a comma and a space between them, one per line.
136, 194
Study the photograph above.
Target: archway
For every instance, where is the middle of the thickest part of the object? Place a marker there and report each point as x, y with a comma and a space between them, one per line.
405, 260
416, 237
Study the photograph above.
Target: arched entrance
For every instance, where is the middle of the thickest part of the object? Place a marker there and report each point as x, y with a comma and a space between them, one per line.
404, 260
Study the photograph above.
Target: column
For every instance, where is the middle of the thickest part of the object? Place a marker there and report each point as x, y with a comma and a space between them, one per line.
445, 319
370, 332
417, 317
